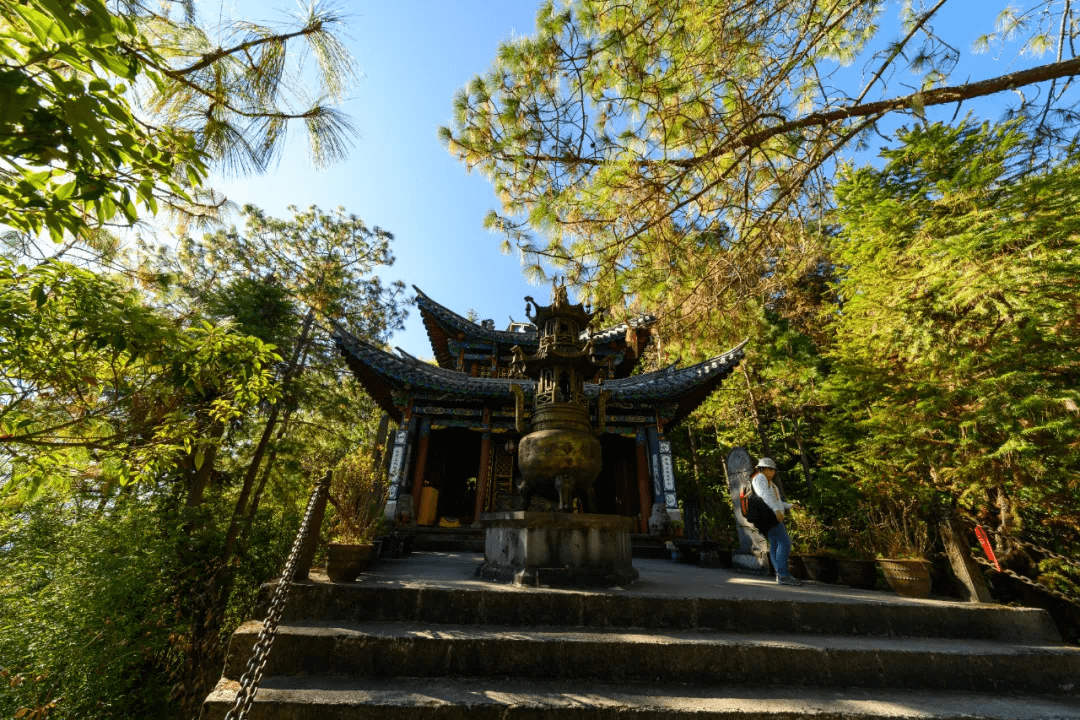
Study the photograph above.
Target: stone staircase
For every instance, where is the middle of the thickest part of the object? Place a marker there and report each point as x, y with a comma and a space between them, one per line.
412, 649
456, 540
469, 539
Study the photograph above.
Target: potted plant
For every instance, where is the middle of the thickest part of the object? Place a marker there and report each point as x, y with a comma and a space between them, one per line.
855, 566
718, 535
358, 497
903, 542
811, 559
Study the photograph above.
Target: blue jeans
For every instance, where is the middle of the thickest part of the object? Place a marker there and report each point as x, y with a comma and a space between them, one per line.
779, 549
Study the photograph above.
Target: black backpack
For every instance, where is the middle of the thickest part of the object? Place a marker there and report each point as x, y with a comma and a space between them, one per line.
756, 511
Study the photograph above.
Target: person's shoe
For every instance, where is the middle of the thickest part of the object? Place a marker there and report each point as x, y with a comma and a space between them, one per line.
788, 580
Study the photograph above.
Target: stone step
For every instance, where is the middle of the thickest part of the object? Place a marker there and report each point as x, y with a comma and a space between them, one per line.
857, 613
348, 698
387, 649
648, 546
468, 539
438, 539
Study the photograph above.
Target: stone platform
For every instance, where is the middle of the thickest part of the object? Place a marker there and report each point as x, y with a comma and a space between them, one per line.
557, 549
422, 637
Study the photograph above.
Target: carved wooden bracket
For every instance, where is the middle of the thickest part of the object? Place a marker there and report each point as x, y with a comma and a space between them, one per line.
601, 412
519, 407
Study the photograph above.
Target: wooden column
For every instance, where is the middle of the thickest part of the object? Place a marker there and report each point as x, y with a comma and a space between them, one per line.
966, 570
380, 440
645, 494
481, 477
311, 542
421, 465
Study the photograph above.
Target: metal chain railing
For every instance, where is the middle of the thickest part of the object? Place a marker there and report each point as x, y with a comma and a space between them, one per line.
249, 681
1026, 580
1045, 551
1012, 539
996, 567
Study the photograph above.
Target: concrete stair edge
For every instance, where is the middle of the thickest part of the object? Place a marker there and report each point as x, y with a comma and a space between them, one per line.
404, 649
335, 698
356, 602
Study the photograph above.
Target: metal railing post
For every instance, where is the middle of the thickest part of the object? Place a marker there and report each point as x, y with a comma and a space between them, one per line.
249, 681
311, 542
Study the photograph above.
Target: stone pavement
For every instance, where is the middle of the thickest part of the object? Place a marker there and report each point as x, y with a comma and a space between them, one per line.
661, 578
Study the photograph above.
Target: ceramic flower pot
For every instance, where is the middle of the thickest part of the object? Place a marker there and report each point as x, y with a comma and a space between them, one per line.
345, 561
910, 578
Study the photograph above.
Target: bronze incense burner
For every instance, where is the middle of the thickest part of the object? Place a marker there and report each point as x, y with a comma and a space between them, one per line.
560, 458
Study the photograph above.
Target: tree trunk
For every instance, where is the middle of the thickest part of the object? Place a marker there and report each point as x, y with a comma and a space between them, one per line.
693, 521
377, 452
291, 370
198, 477
757, 413
380, 439
249, 481
694, 458
802, 456
257, 497
1000, 537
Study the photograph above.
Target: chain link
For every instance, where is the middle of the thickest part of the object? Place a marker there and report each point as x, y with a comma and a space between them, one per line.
1027, 581
249, 681
1017, 541
1044, 551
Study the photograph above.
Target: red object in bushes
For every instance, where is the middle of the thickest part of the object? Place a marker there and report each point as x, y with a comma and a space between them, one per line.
985, 542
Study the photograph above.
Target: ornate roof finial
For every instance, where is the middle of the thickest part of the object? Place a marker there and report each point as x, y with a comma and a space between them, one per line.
559, 297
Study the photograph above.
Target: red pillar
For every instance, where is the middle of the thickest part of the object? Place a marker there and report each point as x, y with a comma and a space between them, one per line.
482, 477
645, 494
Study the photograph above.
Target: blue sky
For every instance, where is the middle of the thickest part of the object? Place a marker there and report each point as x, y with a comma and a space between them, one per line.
415, 54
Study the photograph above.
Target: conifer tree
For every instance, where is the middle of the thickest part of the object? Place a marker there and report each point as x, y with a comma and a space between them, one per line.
955, 361
674, 154
109, 112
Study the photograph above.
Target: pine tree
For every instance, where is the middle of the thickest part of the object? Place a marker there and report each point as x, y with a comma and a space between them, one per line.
955, 363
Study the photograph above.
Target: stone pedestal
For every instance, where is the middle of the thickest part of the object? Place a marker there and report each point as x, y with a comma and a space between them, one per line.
754, 561
557, 549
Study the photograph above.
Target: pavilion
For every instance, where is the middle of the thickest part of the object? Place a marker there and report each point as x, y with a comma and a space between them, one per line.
459, 421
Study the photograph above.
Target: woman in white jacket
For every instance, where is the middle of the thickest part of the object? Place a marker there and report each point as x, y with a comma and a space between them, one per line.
779, 540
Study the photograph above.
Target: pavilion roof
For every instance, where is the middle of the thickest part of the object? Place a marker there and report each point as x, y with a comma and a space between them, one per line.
443, 324
382, 374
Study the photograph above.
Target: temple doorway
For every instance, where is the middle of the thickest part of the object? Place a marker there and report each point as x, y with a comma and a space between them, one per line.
616, 485
453, 462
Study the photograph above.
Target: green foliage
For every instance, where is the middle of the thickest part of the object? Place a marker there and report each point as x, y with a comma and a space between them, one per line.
73, 152
676, 156
106, 110
157, 429
955, 360
260, 307
100, 600
87, 624
91, 377
926, 362
325, 261
103, 386
358, 495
